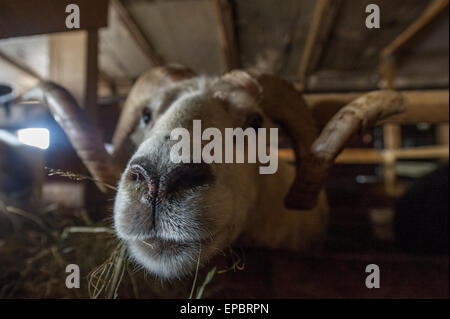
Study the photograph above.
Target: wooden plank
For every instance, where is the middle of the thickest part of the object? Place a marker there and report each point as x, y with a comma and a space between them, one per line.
227, 34
185, 32
73, 64
421, 152
91, 69
431, 75
430, 106
348, 156
272, 34
374, 156
136, 33
67, 56
354, 47
19, 66
392, 136
429, 15
442, 133
108, 81
392, 139
321, 25
23, 18
31, 52
120, 55
20, 80
388, 67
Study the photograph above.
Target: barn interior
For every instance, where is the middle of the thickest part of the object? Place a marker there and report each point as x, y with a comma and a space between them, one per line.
387, 192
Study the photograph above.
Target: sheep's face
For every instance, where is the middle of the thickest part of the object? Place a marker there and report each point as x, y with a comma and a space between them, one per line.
167, 212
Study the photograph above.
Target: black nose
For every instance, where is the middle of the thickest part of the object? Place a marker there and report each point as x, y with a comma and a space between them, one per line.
163, 183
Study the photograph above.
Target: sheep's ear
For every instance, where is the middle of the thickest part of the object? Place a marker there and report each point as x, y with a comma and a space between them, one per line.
143, 90
242, 80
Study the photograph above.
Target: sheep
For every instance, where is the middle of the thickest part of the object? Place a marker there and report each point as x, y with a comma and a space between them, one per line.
167, 213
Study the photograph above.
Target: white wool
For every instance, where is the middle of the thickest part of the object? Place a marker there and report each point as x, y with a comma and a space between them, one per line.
241, 203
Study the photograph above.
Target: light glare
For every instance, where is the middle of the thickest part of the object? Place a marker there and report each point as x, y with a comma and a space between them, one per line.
37, 137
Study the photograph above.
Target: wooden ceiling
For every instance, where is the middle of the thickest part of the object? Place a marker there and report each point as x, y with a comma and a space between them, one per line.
323, 44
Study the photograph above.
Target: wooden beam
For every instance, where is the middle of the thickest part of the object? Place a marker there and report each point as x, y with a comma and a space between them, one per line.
429, 15
74, 65
392, 139
374, 156
423, 106
90, 85
139, 37
109, 81
19, 66
421, 152
322, 22
392, 136
388, 66
23, 17
228, 41
442, 134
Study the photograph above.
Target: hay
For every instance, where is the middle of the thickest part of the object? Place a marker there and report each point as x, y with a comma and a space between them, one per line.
39, 246
107, 277
196, 272
77, 177
35, 251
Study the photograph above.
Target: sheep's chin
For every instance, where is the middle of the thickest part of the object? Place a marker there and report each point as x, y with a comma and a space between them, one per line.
166, 259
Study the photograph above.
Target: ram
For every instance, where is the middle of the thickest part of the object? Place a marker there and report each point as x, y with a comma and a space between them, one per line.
168, 213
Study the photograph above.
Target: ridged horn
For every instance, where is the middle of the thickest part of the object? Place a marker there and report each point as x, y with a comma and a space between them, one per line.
85, 138
314, 154
353, 119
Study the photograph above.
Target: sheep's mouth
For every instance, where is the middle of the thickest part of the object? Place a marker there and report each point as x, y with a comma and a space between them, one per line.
167, 258
169, 246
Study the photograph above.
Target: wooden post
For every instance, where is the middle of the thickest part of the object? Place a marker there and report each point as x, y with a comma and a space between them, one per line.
136, 33
325, 105
73, 60
434, 9
392, 132
74, 65
90, 85
67, 62
392, 141
442, 137
325, 13
227, 34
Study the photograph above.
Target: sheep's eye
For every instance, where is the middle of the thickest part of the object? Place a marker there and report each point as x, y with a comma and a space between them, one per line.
146, 116
255, 121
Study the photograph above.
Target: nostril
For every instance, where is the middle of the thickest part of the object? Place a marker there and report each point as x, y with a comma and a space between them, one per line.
188, 176
144, 176
138, 173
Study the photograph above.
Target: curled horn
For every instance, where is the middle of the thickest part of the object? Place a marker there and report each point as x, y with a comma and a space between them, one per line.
143, 90
85, 138
315, 154
353, 119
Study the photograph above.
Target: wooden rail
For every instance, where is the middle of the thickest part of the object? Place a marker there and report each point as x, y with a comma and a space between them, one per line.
374, 156
431, 106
